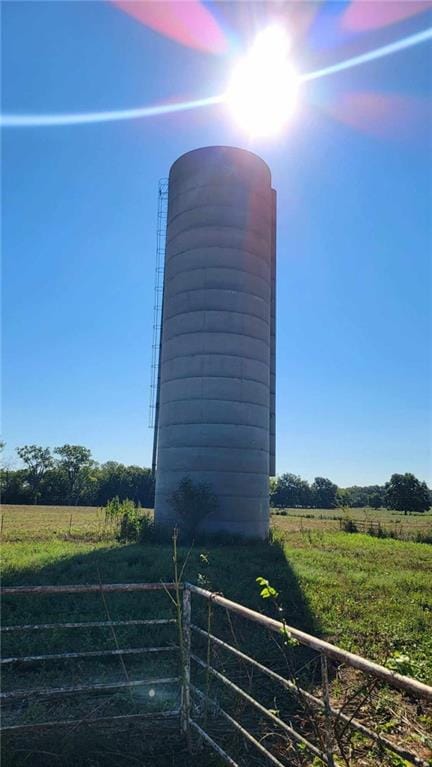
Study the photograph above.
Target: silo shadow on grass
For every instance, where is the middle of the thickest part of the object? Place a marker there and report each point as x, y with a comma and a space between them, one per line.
230, 569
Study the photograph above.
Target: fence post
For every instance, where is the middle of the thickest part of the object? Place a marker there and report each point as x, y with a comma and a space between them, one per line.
328, 715
185, 708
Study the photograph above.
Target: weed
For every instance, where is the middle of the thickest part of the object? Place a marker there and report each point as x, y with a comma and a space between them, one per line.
349, 526
192, 503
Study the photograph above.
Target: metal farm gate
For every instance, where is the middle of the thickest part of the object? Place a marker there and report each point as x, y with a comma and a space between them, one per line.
229, 718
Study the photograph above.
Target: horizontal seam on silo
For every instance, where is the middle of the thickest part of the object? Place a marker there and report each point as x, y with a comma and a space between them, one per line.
216, 205
214, 447
222, 471
168, 494
219, 247
212, 354
211, 266
225, 311
222, 184
213, 423
212, 399
219, 290
265, 451
242, 229
207, 332
229, 378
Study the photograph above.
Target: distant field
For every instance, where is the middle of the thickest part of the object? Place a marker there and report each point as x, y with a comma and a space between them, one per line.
88, 522
406, 527
364, 513
22, 523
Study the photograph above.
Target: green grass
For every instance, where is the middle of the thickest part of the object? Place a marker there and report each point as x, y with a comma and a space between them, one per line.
369, 595
365, 594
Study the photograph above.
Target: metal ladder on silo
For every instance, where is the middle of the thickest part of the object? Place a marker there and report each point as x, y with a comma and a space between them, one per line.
162, 213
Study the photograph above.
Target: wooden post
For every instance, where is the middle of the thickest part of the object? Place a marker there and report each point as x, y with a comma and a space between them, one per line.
70, 524
329, 735
185, 707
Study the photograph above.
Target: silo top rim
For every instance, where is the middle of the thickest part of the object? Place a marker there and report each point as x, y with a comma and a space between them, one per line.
231, 150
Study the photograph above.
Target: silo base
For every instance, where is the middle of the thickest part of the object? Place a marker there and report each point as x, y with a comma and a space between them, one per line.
234, 517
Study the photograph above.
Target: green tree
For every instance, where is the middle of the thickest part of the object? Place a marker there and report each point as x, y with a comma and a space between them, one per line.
375, 500
360, 496
38, 460
290, 491
343, 497
404, 492
14, 486
54, 487
324, 493
116, 479
76, 463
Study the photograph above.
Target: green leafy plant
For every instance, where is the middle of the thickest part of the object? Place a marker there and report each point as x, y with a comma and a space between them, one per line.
112, 510
202, 578
132, 523
269, 592
402, 663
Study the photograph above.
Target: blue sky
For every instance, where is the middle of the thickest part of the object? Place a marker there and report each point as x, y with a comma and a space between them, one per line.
354, 186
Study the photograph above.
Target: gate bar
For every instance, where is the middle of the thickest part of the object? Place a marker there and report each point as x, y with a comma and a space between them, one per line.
238, 727
67, 722
87, 654
286, 727
369, 667
291, 686
301, 693
185, 660
223, 754
86, 588
41, 693
85, 624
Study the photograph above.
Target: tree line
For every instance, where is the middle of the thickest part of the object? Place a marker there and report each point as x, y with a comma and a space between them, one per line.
403, 492
69, 476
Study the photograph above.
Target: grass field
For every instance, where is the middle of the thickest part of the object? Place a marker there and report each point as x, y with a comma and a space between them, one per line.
87, 522
365, 594
370, 595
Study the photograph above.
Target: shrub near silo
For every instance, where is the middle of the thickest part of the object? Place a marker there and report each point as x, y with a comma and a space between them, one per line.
130, 522
192, 503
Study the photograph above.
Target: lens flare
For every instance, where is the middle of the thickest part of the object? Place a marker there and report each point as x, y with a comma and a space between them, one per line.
262, 93
365, 58
283, 107
189, 23
394, 117
85, 118
360, 16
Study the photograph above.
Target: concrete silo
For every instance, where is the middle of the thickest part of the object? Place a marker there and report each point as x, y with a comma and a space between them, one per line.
217, 361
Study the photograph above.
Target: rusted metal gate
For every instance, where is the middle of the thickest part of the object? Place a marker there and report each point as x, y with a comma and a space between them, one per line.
194, 699
59, 692
331, 714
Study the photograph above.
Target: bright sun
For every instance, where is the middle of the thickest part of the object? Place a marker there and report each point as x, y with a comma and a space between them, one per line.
262, 93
